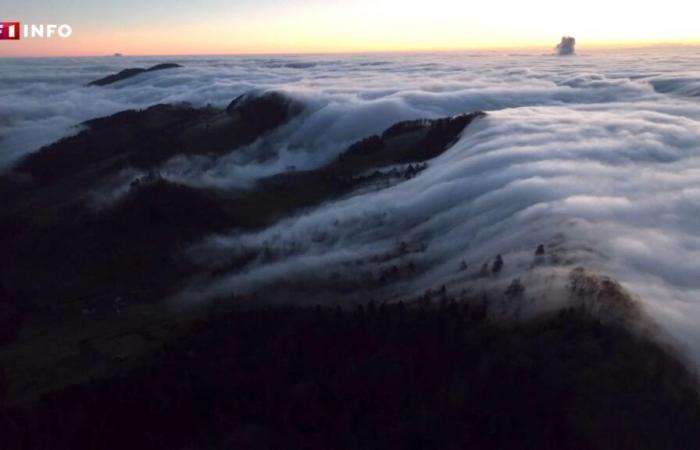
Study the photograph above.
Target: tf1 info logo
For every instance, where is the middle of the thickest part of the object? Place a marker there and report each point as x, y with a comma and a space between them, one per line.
13, 31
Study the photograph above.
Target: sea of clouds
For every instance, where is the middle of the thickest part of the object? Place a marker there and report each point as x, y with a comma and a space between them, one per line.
596, 156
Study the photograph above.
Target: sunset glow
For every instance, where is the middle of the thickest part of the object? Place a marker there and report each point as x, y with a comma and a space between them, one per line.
308, 26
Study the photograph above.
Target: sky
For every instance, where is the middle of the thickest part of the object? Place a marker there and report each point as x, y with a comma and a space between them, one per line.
183, 27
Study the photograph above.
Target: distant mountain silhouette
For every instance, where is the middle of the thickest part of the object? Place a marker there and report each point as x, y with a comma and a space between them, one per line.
566, 47
129, 73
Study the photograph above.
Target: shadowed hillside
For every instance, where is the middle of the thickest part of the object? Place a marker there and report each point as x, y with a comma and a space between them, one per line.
120, 328
428, 376
65, 249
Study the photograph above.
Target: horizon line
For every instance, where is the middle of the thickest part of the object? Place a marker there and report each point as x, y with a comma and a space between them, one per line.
592, 46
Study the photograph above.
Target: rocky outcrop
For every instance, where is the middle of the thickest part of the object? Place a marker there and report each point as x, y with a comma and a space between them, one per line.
566, 47
129, 73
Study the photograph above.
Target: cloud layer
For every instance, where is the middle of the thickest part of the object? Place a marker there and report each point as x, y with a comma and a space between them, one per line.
597, 157
352, 96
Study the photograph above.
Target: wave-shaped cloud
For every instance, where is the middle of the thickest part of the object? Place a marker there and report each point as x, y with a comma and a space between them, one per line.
44, 99
589, 156
610, 188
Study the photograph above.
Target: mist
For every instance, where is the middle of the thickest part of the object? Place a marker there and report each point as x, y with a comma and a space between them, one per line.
597, 158
611, 189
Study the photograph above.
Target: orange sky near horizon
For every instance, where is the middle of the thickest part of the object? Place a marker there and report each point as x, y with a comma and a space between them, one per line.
180, 27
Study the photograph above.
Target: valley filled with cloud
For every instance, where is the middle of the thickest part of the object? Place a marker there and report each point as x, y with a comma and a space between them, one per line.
595, 156
398, 232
